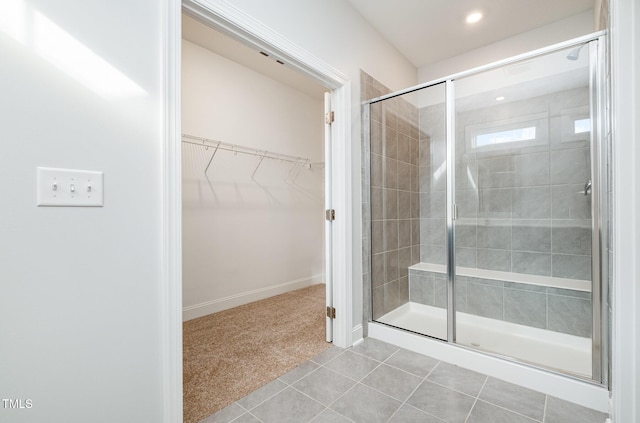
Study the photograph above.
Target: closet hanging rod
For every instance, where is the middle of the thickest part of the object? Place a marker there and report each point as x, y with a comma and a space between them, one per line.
219, 145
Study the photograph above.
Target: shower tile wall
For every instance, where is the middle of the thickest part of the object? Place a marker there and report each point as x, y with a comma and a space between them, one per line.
392, 197
433, 184
559, 310
521, 209
369, 88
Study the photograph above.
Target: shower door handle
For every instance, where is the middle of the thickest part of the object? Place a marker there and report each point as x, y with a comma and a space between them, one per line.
587, 188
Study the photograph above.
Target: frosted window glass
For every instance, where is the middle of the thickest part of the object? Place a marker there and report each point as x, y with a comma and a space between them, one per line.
512, 135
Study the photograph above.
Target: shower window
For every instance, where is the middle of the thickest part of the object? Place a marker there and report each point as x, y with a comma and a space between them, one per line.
581, 126
510, 133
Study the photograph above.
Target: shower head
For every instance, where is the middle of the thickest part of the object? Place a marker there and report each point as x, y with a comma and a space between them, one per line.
575, 53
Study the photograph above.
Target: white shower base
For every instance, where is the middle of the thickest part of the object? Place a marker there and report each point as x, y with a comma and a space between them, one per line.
566, 353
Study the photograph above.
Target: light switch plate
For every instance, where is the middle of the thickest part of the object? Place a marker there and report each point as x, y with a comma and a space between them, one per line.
70, 187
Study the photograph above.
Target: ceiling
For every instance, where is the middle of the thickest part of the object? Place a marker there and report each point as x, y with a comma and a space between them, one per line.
207, 37
428, 31
424, 31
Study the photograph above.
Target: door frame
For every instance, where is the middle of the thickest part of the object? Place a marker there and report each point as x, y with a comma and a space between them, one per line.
235, 23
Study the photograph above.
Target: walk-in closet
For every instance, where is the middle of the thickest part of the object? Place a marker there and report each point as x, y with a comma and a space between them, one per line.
252, 218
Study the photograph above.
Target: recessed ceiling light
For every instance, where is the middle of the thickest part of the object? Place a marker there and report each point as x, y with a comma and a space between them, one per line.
499, 98
474, 17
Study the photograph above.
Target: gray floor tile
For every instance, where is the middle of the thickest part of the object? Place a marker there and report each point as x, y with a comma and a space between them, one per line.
330, 416
454, 377
364, 405
246, 418
484, 412
442, 402
375, 349
288, 406
262, 394
559, 411
299, 372
352, 365
448, 394
324, 385
225, 415
327, 355
408, 414
418, 364
393, 382
515, 398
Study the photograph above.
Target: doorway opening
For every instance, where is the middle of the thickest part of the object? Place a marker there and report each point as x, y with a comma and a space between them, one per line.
253, 231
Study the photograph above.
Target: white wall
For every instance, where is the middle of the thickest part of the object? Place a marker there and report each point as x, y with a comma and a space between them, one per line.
625, 68
553, 33
245, 239
334, 32
80, 316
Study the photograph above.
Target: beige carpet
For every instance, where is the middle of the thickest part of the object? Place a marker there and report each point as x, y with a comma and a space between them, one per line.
230, 354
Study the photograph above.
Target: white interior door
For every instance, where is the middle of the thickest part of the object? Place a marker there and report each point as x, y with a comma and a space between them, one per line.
328, 216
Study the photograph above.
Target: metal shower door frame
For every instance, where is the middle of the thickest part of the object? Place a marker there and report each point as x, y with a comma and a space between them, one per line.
599, 208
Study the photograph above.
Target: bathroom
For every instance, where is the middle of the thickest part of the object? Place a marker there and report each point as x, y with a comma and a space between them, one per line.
93, 306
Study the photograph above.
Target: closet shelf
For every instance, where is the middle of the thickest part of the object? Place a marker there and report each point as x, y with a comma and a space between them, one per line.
300, 162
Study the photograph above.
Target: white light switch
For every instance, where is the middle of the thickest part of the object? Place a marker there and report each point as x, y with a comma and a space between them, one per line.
69, 187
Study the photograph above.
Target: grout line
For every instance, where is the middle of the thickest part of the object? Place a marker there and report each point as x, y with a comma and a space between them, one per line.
451, 389
374, 369
330, 360
544, 413
300, 378
475, 401
318, 415
509, 410
345, 393
318, 401
254, 416
359, 382
270, 397
483, 386
546, 312
402, 370
504, 293
411, 394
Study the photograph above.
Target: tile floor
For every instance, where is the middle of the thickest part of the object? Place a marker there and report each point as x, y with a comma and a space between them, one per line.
378, 382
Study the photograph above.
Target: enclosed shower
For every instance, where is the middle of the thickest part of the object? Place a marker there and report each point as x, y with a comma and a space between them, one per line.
486, 196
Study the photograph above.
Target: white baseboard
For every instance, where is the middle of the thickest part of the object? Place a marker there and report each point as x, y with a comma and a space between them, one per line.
220, 304
573, 390
357, 336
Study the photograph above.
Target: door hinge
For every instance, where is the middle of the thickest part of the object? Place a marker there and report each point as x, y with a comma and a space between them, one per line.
331, 312
330, 215
329, 117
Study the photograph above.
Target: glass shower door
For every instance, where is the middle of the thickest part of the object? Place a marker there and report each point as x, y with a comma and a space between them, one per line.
523, 193
408, 211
